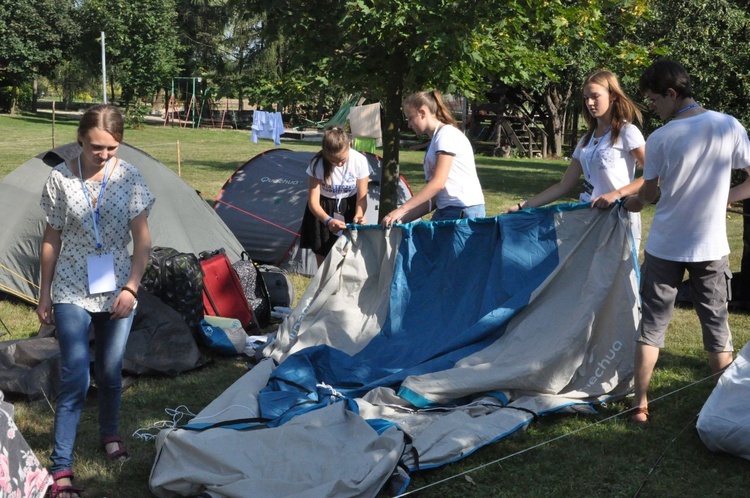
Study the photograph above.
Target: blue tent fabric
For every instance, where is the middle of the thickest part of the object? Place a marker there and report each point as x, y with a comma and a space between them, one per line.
456, 333
450, 276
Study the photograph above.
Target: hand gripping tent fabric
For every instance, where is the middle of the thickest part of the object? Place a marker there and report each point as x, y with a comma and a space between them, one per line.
264, 200
180, 218
413, 347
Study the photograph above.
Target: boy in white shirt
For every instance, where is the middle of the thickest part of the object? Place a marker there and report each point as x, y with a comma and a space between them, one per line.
690, 159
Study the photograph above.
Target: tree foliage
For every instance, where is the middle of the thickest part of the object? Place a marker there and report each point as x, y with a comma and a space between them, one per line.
34, 36
710, 38
388, 47
141, 42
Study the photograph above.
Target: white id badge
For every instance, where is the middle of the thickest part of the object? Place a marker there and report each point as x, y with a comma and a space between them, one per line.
338, 216
101, 268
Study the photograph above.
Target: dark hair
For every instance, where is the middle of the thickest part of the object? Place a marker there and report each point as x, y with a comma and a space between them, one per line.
663, 75
335, 139
103, 117
623, 109
434, 102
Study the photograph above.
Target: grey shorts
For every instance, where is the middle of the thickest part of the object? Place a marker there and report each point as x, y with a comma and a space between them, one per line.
710, 288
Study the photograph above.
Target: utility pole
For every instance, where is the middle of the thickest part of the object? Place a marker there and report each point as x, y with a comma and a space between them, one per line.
104, 72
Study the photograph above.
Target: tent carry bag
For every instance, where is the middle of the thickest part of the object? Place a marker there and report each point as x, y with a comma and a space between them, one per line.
222, 291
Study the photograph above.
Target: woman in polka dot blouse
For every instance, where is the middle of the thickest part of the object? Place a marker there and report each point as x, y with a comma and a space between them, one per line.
95, 205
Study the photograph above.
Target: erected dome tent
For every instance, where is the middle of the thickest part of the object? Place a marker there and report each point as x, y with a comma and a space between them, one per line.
180, 218
263, 203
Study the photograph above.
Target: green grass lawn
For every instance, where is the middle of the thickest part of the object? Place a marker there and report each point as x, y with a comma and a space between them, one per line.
559, 455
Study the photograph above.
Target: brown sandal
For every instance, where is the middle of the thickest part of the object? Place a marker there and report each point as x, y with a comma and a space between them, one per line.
633, 412
120, 454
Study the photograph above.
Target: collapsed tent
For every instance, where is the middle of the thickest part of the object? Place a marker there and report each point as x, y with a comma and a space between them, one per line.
179, 218
264, 200
724, 421
415, 346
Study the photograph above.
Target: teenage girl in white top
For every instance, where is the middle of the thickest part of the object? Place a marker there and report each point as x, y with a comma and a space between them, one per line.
452, 188
607, 155
337, 193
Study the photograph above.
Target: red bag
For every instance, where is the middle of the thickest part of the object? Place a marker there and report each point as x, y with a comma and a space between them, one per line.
222, 291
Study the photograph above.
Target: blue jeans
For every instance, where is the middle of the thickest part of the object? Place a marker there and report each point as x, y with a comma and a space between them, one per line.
458, 212
111, 337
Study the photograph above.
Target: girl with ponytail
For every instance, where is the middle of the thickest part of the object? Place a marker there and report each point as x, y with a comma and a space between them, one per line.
452, 188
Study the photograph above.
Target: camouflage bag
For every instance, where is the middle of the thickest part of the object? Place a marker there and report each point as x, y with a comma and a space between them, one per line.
177, 279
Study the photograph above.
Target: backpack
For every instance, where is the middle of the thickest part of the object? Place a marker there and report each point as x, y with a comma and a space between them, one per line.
255, 289
177, 279
279, 285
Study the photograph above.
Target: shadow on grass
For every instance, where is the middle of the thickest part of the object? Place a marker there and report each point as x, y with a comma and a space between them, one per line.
46, 118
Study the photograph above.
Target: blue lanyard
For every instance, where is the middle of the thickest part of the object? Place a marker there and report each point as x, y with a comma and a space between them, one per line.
586, 168
686, 108
94, 211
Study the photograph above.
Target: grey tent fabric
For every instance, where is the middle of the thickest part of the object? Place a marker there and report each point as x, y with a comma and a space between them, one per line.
724, 421
180, 217
219, 462
264, 200
160, 342
28, 367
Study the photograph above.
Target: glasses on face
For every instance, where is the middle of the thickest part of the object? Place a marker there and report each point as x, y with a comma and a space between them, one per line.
651, 100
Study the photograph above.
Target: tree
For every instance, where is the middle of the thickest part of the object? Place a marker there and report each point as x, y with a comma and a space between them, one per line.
141, 43
385, 48
34, 36
709, 37
202, 29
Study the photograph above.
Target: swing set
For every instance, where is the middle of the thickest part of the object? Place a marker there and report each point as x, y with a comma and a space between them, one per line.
187, 105
183, 103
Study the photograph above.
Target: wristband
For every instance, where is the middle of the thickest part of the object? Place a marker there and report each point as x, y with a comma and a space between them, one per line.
328, 220
128, 289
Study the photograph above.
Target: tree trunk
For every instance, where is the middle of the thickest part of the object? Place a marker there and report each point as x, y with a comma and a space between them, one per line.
574, 129
34, 95
391, 135
554, 123
556, 102
13, 99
